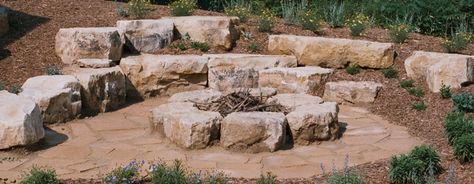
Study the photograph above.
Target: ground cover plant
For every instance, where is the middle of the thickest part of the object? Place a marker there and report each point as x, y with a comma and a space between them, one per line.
38, 175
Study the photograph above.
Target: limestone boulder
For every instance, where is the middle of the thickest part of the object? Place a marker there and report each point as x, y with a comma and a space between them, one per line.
152, 75
58, 96
230, 71
440, 68
4, 26
196, 96
256, 92
88, 43
351, 91
94, 63
146, 36
315, 122
294, 80
20, 121
102, 89
217, 31
291, 100
333, 52
158, 114
254, 131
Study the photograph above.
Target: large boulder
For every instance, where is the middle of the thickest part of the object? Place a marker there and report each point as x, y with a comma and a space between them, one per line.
58, 96
103, 89
91, 43
333, 52
292, 100
146, 36
151, 75
4, 26
20, 121
440, 68
351, 91
254, 131
186, 126
230, 71
315, 122
214, 30
196, 96
294, 80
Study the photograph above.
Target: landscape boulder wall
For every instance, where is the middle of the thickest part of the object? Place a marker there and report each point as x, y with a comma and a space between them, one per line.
146, 36
58, 96
292, 100
333, 52
151, 75
315, 122
4, 26
20, 121
185, 125
102, 89
231, 71
90, 43
440, 68
294, 80
351, 91
217, 31
254, 131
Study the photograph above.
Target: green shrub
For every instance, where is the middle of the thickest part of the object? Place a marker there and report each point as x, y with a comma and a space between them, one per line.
406, 169
390, 73
419, 106
53, 70
291, 9
242, 11
267, 179
161, 173
353, 69
182, 7
416, 91
345, 177
358, 24
335, 14
254, 47
430, 158
464, 148
464, 102
38, 175
15, 89
181, 46
121, 11
457, 124
266, 21
406, 84
399, 32
126, 174
457, 42
445, 91
202, 46
310, 20
139, 8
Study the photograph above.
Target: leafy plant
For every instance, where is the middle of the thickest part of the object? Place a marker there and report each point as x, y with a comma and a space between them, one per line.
254, 47
406, 169
121, 11
246, 35
125, 174
53, 70
202, 46
291, 9
406, 84
242, 11
335, 14
139, 8
353, 69
208, 178
15, 89
416, 91
267, 179
430, 158
346, 176
457, 42
457, 124
182, 7
390, 73
310, 20
181, 46
419, 106
464, 102
266, 21
445, 91
38, 175
399, 32
358, 24
464, 148
161, 173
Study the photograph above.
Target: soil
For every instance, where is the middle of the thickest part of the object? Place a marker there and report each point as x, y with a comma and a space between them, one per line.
29, 47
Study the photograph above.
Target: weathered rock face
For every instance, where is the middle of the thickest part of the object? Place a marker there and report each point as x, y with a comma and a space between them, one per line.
214, 30
294, 80
186, 126
254, 131
333, 52
94, 63
88, 43
292, 101
146, 36
197, 96
440, 68
151, 75
315, 122
352, 92
4, 26
102, 89
158, 114
20, 121
229, 71
58, 96
256, 92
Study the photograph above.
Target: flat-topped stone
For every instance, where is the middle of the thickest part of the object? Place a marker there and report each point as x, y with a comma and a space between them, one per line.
88, 43
152, 75
254, 131
256, 92
20, 121
229, 71
294, 80
440, 68
157, 114
315, 122
351, 91
4, 26
291, 100
94, 63
58, 96
196, 96
146, 36
103, 89
333, 52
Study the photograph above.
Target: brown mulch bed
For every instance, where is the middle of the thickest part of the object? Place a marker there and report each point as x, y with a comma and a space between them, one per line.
29, 47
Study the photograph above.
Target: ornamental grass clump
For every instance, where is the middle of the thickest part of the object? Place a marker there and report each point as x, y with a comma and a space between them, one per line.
161, 173
358, 24
390, 73
399, 32
37, 175
406, 169
457, 124
183, 7
430, 158
266, 21
406, 84
457, 42
419, 106
416, 91
267, 178
464, 148
353, 69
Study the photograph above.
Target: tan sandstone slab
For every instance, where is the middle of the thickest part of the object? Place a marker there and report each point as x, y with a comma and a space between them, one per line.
146, 36
351, 91
94, 63
291, 101
196, 96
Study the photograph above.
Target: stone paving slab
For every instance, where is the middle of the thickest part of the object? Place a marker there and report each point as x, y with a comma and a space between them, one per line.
96, 145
